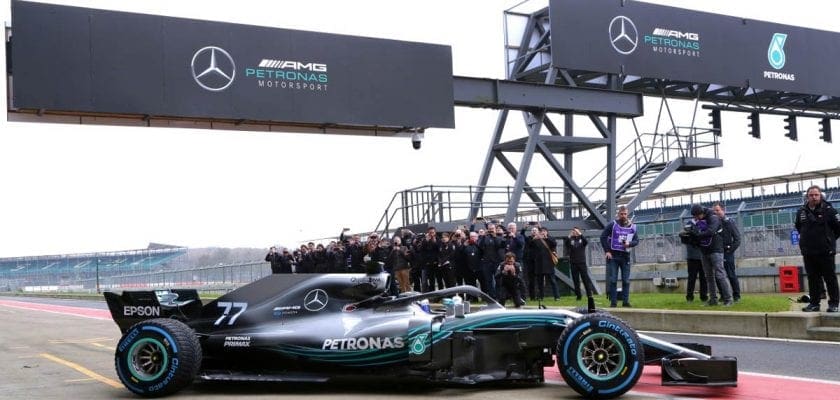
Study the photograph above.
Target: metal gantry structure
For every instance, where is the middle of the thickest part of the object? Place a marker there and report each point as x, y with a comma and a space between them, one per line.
555, 104
628, 180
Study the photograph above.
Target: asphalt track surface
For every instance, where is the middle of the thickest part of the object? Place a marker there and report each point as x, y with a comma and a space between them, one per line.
63, 349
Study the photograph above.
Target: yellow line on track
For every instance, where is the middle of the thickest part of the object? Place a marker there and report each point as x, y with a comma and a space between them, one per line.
83, 370
102, 346
78, 380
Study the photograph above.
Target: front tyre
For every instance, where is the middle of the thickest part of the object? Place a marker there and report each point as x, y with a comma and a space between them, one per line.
600, 356
157, 357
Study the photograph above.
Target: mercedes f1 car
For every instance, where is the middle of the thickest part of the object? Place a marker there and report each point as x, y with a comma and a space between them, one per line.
314, 328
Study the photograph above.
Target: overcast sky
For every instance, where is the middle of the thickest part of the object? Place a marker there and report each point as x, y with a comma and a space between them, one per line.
70, 188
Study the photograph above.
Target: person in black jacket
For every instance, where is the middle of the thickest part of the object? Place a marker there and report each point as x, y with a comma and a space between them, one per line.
280, 263
509, 276
490, 245
818, 226
542, 246
694, 262
470, 255
731, 240
706, 232
528, 263
575, 245
427, 250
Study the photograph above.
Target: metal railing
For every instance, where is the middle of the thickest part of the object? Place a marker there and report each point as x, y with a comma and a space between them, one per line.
771, 241
650, 149
435, 204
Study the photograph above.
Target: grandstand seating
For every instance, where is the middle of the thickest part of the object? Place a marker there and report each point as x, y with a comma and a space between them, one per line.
52, 269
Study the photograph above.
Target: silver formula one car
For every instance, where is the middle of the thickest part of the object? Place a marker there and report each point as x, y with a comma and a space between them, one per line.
314, 328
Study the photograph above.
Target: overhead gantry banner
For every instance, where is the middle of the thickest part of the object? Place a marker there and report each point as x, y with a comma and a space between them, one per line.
654, 41
84, 60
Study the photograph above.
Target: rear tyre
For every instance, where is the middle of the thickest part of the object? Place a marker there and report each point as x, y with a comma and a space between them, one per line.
600, 356
157, 357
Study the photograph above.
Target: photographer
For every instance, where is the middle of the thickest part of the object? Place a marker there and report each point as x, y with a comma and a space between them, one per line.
706, 233
427, 251
280, 263
398, 260
575, 245
446, 262
509, 275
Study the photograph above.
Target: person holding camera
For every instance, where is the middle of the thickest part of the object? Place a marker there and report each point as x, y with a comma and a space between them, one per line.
575, 245
427, 250
706, 233
280, 263
398, 259
509, 276
617, 238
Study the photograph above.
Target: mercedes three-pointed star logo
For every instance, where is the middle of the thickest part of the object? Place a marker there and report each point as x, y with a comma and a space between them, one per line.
213, 68
623, 35
315, 300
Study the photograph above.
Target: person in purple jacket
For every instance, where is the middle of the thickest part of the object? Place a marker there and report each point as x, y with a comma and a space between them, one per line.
617, 238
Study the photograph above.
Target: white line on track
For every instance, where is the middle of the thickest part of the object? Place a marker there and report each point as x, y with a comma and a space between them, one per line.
57, 312
744, 337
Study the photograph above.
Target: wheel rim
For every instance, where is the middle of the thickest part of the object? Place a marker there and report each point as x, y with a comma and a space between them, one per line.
147, 359
601, 356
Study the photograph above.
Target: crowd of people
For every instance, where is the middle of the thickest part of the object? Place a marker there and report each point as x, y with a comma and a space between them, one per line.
506, 261
510, 262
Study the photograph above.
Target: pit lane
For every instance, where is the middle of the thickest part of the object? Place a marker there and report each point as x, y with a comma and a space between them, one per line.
64, 349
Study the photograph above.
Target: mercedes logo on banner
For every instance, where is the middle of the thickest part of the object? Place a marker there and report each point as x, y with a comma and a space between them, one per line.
213, 68
315, 300
623, 35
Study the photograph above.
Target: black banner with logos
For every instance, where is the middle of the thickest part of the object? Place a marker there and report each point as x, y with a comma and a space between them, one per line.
87, 60
654, 41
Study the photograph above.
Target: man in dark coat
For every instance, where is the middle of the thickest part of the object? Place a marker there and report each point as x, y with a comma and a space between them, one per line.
575, 245
818, 226
731, 241
541, 248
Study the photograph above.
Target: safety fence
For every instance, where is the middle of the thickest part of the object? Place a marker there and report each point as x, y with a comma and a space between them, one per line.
652, 248
755, 242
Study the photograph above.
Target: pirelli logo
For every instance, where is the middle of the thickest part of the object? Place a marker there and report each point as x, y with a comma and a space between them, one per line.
294, 65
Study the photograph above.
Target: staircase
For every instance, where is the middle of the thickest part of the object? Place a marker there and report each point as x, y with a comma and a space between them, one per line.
649, 159
645, 175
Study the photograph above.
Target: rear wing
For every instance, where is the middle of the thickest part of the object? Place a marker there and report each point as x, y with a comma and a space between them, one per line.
132, 307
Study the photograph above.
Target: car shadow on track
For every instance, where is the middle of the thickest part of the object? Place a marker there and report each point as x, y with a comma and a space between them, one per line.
376, 388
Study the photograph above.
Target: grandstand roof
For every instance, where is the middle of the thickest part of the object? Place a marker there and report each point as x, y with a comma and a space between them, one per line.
152, 248
751, 183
